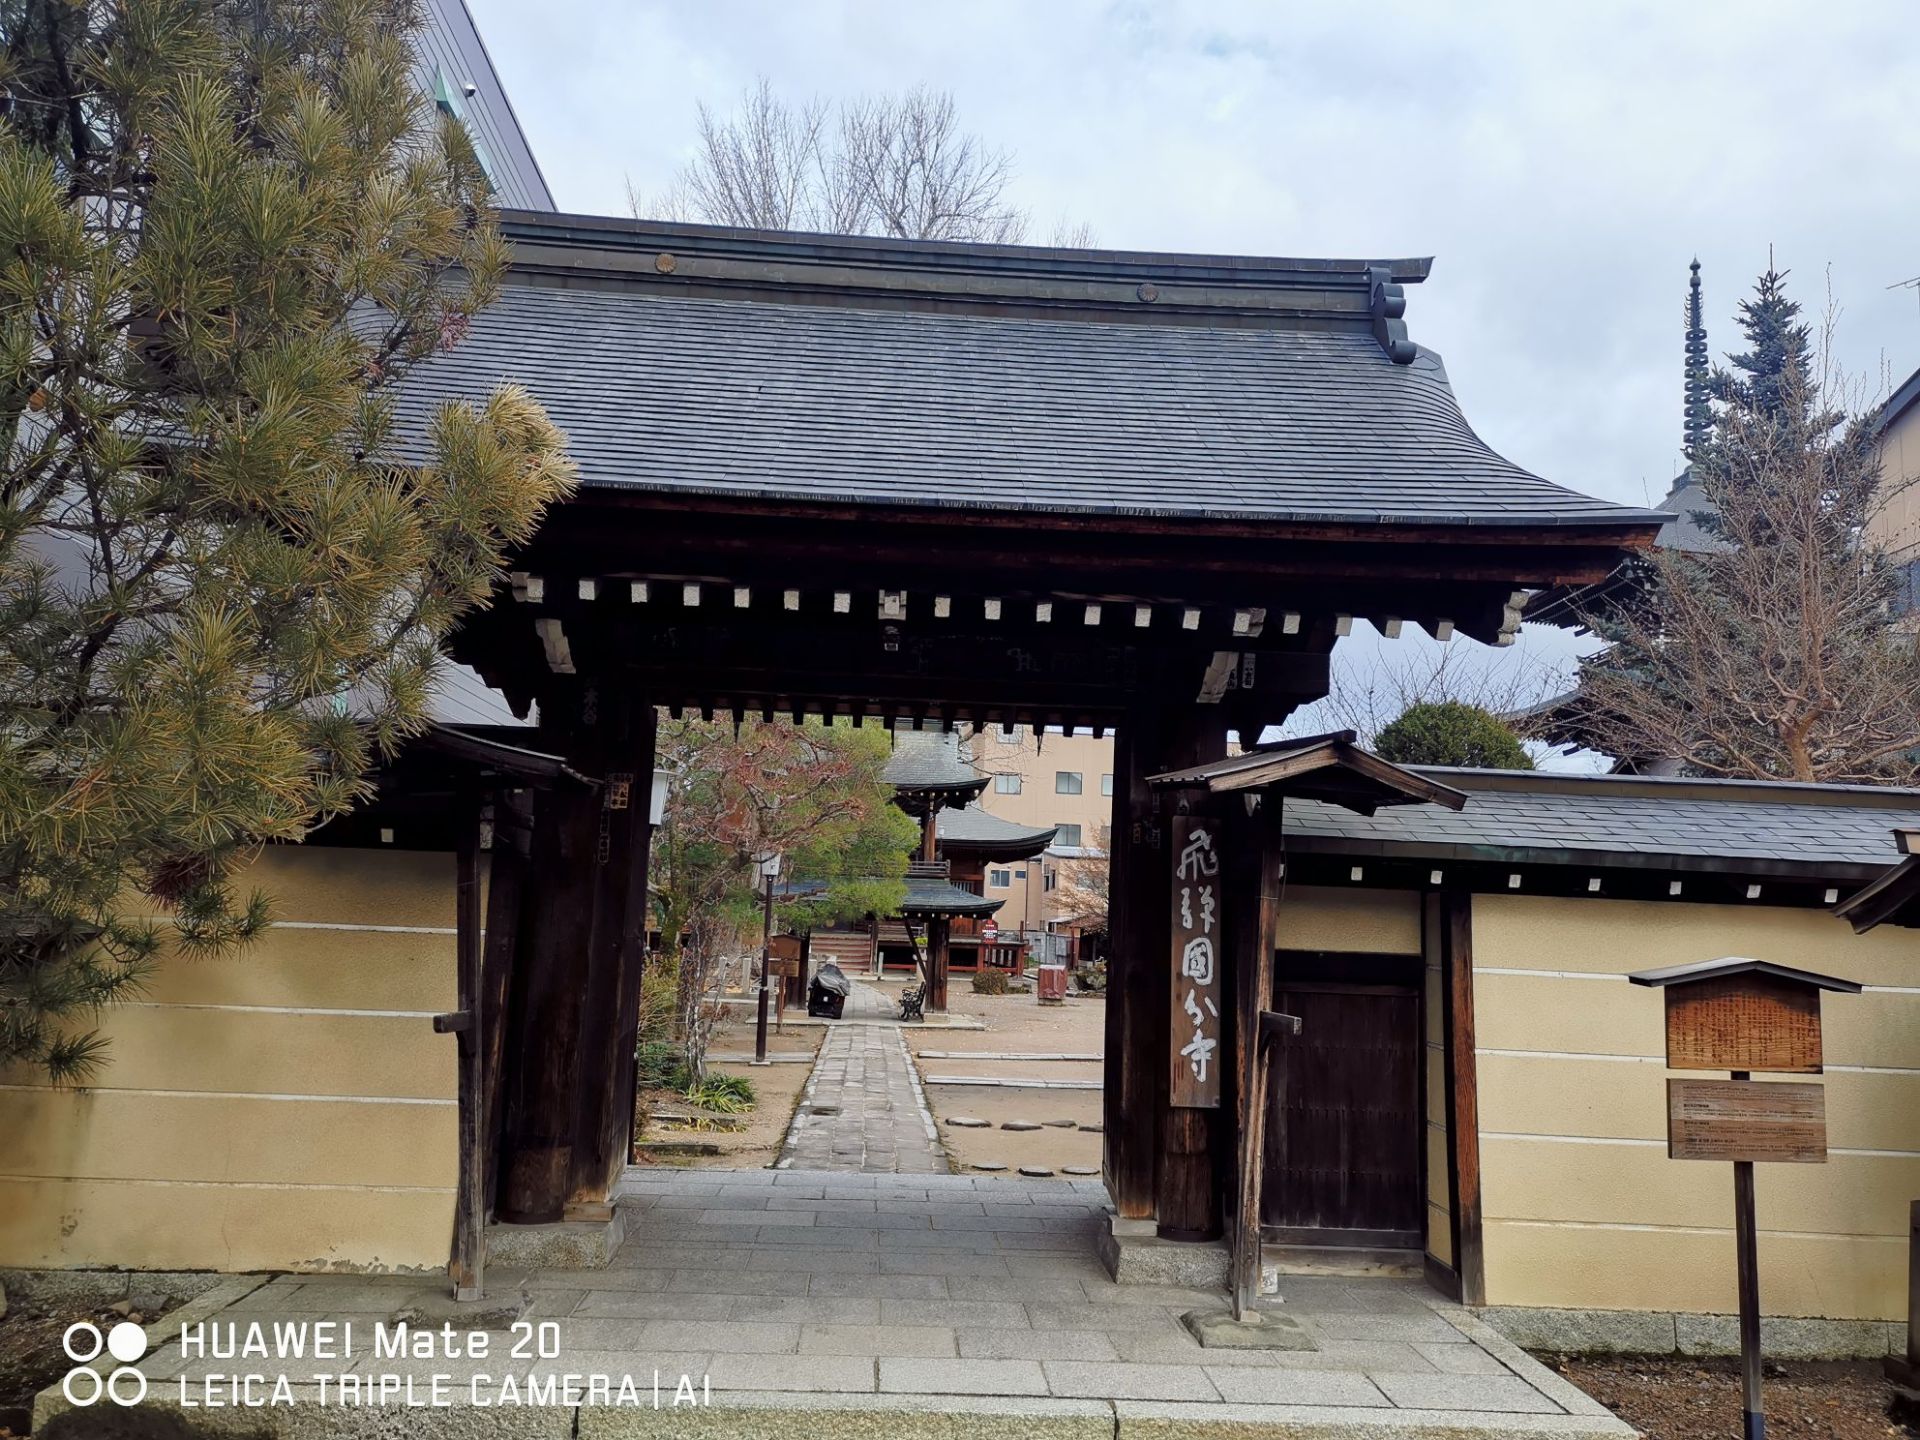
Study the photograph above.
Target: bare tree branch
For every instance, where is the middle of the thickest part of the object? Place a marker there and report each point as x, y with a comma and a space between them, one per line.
897, 165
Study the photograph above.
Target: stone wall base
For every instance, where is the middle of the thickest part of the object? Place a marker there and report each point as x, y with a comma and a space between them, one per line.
1134, 1255
1659, 1332
567, 1245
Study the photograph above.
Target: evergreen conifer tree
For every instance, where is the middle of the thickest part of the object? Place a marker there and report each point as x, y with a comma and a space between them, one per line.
228, 230
1778, 346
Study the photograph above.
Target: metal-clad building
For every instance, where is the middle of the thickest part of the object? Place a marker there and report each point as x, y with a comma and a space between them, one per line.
458, 73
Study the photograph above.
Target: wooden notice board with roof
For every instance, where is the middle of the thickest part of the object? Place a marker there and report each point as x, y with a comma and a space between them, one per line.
1742, 1015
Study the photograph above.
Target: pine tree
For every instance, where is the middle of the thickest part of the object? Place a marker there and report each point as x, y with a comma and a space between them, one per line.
228, 230
1778, 346
1770, 654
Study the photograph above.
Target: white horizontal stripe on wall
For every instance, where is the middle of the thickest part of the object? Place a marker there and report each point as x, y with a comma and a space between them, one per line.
235, 1095
276, 1009
330, 925
1621, 1140
1612, 975
1548, 974
1661, 1061
225, 1184
1524, 1224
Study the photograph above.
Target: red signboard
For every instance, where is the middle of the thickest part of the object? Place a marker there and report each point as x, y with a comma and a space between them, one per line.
1197, 1021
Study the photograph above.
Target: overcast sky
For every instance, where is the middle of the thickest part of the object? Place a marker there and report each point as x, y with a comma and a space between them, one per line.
1562, 164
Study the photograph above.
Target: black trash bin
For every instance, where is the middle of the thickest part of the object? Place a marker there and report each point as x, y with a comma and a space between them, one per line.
827, 995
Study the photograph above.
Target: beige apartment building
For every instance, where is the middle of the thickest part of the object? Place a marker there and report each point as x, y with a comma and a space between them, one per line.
1895, 525
1046, 777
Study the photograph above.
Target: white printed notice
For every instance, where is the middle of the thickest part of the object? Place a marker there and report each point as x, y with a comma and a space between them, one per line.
1196, 962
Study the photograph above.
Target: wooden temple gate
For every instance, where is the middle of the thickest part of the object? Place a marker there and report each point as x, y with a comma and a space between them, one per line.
939, 485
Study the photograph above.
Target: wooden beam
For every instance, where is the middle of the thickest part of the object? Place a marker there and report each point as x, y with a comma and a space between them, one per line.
1463, 1094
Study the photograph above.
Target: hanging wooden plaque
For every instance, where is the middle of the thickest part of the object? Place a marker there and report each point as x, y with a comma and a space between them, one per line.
1744, 1022
1197, 997
1747, 1120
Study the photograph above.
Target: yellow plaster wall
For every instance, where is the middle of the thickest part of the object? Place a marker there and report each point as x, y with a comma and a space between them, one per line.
1380, 922
286, 1108
1582, 1206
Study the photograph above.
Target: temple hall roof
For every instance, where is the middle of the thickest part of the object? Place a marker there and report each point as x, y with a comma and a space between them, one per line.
695, 360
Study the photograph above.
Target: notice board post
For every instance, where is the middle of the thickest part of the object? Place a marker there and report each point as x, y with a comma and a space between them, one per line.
1740, 1016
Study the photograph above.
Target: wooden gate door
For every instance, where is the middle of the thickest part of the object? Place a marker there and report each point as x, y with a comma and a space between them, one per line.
1343, 1150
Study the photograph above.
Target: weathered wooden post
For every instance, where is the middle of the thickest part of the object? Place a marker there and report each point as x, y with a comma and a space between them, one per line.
1197, 1019
1743, 1015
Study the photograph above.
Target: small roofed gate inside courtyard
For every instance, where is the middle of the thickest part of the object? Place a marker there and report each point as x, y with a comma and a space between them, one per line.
939, 483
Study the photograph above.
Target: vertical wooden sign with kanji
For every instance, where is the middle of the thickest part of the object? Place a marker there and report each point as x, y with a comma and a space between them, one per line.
1196, 963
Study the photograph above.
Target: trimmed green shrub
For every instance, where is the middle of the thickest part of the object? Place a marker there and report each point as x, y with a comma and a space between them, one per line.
1448, 732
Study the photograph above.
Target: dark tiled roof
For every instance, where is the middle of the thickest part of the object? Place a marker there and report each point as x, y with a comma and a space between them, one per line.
930, 760
926, 896
668, 392
974, 826
1687, 502
1566, 818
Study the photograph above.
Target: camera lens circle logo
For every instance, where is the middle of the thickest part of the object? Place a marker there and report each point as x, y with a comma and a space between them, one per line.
83, 1343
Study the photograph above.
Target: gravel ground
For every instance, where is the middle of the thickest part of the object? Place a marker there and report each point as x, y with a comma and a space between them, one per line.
1675, 1398
1017, 1024
31, 1358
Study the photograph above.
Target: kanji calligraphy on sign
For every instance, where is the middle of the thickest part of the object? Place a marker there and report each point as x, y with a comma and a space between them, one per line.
1196, 963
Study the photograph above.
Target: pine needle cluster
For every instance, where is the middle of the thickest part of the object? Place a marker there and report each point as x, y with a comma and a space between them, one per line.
228, 230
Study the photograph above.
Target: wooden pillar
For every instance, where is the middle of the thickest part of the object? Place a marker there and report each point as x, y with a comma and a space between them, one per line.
1254, 886
576, 974
556, 922
506, 882
1187, 1204
1463, 1094
1131, 1147
1146, 1157
939, 952
467, 1264
610, 1020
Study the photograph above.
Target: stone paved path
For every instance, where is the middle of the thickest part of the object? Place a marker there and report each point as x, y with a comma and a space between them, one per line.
863, 1108
916, 1307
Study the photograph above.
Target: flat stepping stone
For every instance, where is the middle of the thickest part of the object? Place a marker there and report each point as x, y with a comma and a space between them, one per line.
1036, 1172
968, 1122
1078, 1170
1062, 1124
1091, 1129
988, 1165
1018, 1125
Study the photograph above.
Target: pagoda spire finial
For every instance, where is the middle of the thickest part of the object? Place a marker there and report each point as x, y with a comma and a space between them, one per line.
1698, 415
